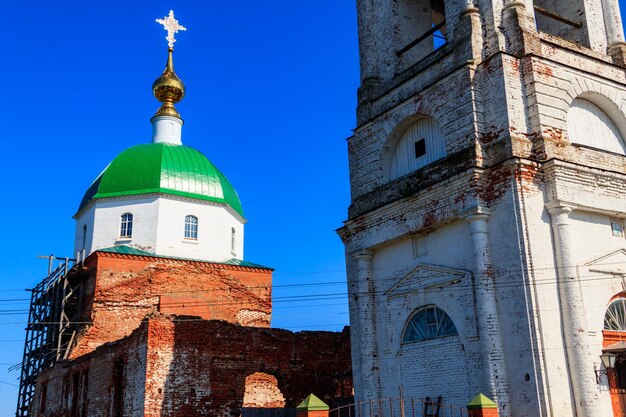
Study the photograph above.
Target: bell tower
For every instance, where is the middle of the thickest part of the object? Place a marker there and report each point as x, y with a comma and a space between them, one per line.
487, 172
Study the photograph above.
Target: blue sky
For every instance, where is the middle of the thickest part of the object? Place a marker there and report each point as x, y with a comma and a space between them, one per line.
271, 97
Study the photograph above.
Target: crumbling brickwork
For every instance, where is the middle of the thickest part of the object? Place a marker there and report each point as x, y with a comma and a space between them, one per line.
87, 386
175, 366
122, 289
262, 392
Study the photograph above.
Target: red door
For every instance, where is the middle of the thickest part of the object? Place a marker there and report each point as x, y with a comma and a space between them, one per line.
617, 385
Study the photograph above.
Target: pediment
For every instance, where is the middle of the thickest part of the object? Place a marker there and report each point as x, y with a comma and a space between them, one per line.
613, 263
427, 277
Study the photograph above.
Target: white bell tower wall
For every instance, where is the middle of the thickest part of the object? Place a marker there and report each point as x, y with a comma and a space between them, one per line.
506, 174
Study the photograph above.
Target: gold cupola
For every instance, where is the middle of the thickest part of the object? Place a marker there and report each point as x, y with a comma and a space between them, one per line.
168, 89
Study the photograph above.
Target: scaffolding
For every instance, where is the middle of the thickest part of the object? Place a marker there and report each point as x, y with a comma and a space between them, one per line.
53, 322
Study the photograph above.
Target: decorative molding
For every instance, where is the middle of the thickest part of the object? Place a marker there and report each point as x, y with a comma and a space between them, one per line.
556, 207
93, 202
612, 267
478, 211
427, 278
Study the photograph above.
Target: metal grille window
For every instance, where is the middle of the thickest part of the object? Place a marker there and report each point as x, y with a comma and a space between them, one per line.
191, 227
232, 239
428, 323
615, 317
126, 225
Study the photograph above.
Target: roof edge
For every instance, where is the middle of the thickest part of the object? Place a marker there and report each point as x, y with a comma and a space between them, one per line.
157, 193
128, 251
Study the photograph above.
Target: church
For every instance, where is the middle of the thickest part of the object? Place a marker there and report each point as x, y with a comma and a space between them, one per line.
160, 314
485, 241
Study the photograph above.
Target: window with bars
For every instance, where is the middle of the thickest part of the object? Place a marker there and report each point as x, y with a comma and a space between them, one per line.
420, 29
232, 239
126, 225
191, 227
428, 323
565, 19
615, 317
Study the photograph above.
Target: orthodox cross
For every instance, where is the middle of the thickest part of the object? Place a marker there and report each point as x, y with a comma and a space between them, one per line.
171, 25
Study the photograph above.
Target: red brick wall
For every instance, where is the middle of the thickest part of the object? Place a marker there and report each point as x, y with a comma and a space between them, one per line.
121, 290
178, 366
98, 367
211, 360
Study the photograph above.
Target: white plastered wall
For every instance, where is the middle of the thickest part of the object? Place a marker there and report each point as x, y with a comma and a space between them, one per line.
599, 260
404, 269
159, 225
215, 224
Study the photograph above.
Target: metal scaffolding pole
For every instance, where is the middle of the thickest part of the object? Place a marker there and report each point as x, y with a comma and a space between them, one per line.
50, 331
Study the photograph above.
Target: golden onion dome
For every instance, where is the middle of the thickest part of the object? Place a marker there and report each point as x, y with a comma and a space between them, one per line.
168, 89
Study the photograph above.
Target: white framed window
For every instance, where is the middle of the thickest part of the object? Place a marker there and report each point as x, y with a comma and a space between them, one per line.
126, 225
191, 227
428, 323
617, 229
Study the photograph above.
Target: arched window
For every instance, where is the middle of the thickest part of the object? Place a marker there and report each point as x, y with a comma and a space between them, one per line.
565, 19
232, 239
428, 323
420, 29
589, 125
421, 144
615, 317
126, 225
191, 227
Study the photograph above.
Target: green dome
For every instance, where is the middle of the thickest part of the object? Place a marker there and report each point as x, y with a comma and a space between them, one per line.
163, 168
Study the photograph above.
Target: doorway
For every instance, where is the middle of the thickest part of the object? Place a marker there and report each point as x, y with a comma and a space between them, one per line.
617, 384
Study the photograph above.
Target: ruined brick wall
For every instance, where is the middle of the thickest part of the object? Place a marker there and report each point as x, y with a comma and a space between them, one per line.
122, 289
262, 392
209, 363
85, 386
175, 366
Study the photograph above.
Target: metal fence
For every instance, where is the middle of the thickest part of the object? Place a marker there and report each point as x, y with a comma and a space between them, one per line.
399, 407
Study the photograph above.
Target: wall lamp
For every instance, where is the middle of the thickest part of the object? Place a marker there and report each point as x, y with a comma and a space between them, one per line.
608, 360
